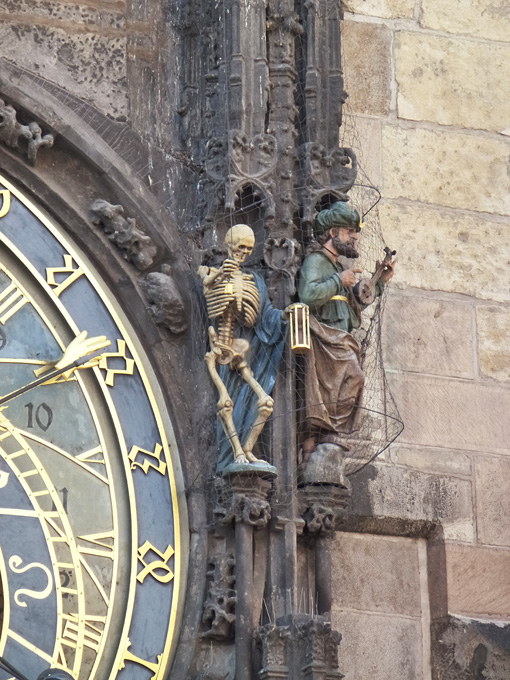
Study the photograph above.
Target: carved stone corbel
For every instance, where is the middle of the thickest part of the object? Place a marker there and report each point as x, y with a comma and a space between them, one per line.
219, 607
134, 244
12, 131
166, 305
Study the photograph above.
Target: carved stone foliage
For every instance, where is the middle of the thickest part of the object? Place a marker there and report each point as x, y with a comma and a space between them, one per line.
242, 497
219, 608
320, 519
134, 244
253, 511
166, 305
19, 136
274, 641
299, 647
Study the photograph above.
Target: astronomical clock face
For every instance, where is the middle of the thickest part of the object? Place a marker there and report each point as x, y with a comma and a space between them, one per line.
92, 526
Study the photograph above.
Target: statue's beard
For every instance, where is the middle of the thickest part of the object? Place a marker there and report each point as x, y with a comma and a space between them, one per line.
345, 249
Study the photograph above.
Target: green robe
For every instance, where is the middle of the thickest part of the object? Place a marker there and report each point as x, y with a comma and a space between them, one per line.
333, 376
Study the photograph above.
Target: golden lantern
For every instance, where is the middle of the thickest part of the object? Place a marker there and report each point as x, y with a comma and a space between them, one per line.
299, 315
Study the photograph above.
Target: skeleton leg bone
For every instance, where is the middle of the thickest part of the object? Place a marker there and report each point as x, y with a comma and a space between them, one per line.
265, 408
225, 409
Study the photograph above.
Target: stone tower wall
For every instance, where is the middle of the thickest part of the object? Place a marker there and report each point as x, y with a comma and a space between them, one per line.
429, 89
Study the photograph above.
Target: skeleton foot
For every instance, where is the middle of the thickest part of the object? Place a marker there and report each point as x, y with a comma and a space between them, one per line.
251, 458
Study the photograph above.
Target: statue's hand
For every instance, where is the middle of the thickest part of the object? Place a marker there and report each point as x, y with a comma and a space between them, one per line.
80, 347
285, 313
349, 276
388, 272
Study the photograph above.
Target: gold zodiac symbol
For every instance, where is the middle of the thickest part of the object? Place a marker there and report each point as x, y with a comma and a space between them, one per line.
4, 478
160, 467
156, 564
14, 564
6, 202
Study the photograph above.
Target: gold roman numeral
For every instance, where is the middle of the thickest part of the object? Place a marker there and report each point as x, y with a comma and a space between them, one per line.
69, 268
129, 364
92, 635
11, 301
99, 539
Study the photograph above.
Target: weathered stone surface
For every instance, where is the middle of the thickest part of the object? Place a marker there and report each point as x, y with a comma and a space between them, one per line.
436, 461
448, 168
376, 573
428, 336
452, 81
453, 413
443, 250
387, 491
91, 66
56, 11
367, 81
493, 326
366, 144
493, 500
484, 18
379, 647
464, 649
478, 583
389, 9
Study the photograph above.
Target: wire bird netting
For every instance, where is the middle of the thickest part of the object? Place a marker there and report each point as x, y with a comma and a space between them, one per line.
378, 423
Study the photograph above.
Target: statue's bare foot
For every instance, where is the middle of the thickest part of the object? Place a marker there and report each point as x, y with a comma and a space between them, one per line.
251, 458
241, 459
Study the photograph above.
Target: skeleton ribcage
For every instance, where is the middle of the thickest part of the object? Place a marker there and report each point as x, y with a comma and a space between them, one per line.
238, 294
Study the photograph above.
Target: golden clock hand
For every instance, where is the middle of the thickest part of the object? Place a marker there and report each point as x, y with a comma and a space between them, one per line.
73, 358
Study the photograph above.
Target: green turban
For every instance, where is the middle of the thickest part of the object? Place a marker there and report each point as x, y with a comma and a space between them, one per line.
339, 215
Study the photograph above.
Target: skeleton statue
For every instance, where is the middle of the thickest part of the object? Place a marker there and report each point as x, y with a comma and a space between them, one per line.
233, 299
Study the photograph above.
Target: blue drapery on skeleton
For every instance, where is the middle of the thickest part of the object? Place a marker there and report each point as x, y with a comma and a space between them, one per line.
266, 340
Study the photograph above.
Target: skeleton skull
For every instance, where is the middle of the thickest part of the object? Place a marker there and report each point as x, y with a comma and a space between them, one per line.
239, 241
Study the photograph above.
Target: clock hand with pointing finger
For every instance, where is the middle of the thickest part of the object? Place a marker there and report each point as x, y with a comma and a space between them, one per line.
71, 360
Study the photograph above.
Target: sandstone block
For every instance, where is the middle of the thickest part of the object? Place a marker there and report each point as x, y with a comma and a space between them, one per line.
387, 491
478, 583
57, 11
436, 461
453, 414
493, 500
89, 66
493, 325
483, 18
428, 336
388, 9
452, 81
453, 169
367, 80
379, 647
442, 250
376, 573
366, 143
